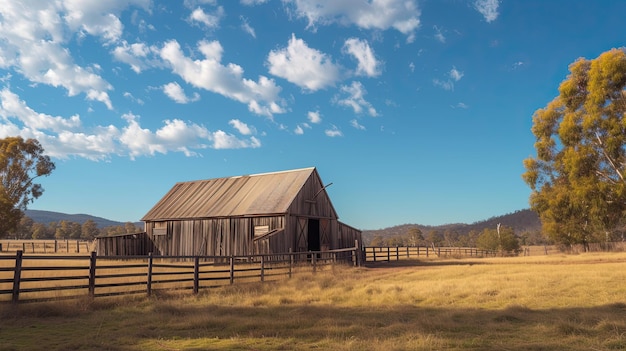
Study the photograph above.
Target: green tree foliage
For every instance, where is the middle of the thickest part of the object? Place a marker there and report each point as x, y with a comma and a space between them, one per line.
89, 230
24, 228
39, 231
21, 162
435, 238
63, 230
377, 241
488, 240
450, 237
127, 228
415, 236
503, 240
577, 178
75, 230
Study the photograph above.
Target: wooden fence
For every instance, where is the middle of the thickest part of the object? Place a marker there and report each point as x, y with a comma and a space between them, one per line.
47, 246
378, 254
50, 277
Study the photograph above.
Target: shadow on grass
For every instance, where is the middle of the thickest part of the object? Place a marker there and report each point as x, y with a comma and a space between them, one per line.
165, 324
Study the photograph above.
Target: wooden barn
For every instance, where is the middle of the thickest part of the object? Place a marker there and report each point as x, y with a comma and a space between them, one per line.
252, 214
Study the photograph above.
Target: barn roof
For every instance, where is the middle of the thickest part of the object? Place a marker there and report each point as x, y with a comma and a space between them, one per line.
257, 194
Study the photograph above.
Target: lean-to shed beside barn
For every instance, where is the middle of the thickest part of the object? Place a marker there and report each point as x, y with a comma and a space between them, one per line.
261, 213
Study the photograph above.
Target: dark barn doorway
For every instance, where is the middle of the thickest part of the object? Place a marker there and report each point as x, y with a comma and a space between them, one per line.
314, 235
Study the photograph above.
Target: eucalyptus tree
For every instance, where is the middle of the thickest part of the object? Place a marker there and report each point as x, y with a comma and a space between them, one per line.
21, 162
577, 177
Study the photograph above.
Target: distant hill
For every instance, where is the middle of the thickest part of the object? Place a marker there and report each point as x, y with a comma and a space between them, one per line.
46, 217
521, 221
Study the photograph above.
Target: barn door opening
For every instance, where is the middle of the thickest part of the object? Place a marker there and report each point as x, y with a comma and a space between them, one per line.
314, 235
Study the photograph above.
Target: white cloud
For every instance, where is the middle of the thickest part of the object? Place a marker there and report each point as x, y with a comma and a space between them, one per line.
298, 130
247, 27
223, 140
356, 124
242, 127
299, 64
314, 117
67, 137
11, 107
360, 49
253, 2
412, 67
448, 84
439, 34
260, 96
354, 98
98, 18
138, 56
402, 15
333, 132
130, 96
190, 4
455, 74
487, 8
210, 20
176, 93
32, 41
445, 84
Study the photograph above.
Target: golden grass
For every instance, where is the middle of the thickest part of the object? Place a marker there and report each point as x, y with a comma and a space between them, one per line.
554, 302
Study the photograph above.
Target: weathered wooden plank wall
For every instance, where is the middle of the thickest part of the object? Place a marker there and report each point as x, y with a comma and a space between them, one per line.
211, 237
126, 245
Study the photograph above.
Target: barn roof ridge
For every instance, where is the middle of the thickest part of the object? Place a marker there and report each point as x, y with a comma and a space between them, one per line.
263, 193
249, 175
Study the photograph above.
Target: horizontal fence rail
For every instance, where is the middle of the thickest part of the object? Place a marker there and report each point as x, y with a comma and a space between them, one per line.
25, 278
47, 246
386, 254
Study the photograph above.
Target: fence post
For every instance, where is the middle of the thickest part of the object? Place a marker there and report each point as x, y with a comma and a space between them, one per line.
388, 254
92, 274
232, 269
397, 253
149, 277
196, 274
262, 268
77, 247
17, 276
290, 261
313, 260
56, 247
374, 252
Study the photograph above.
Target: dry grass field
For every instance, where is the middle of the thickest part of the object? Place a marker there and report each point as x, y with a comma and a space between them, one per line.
555, 302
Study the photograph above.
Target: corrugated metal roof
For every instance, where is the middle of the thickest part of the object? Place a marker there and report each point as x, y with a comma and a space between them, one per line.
257, 194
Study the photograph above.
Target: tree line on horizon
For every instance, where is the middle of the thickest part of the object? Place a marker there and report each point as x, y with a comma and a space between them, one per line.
61, 230
501, 239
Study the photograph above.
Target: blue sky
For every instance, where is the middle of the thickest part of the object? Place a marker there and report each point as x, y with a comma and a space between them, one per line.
416, 111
